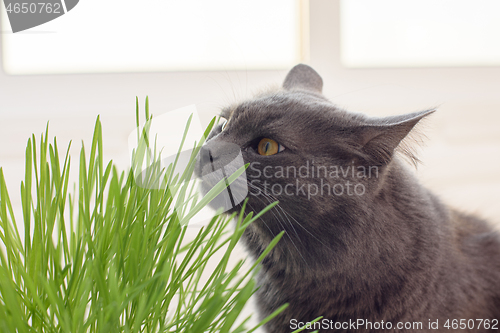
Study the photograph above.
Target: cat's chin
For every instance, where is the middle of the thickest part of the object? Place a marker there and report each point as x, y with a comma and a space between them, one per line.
222, 202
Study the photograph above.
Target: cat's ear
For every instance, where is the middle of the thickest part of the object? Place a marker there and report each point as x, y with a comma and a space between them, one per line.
303, 77
382, 136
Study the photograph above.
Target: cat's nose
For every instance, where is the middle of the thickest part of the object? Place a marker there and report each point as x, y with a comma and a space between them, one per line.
205, 156
215, 155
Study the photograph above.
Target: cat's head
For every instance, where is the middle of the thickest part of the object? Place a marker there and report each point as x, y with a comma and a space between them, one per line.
320, 162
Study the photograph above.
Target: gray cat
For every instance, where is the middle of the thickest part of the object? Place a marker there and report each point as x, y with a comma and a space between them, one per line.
366, 246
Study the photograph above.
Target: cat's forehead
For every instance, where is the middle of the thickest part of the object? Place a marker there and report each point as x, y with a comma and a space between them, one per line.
288, 107
275, 106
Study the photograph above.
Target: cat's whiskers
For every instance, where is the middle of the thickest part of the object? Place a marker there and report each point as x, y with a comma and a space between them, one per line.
267, 226
292, 217
286, 215
309, 232
270, 231
271, 200
272, 211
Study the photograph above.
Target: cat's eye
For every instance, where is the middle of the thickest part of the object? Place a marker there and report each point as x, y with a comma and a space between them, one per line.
268, 147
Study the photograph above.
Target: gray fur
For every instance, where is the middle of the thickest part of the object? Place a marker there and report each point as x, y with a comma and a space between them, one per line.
395, 253
303, 77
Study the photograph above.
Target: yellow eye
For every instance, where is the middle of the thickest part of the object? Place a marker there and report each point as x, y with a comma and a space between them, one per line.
269, 147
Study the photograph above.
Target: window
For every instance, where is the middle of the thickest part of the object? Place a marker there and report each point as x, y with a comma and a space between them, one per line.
393, 33
159, 35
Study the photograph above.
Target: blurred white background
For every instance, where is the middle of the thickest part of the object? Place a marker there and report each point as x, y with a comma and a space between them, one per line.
458, 72
156, 35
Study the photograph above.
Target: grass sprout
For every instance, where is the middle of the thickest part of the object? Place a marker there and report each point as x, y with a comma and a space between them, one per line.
112, 255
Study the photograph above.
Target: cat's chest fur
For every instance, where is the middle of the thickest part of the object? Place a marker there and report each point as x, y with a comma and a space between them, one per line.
439, 265
363, 239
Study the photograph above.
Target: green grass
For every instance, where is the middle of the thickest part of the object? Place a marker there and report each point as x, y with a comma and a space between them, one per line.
113, 256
